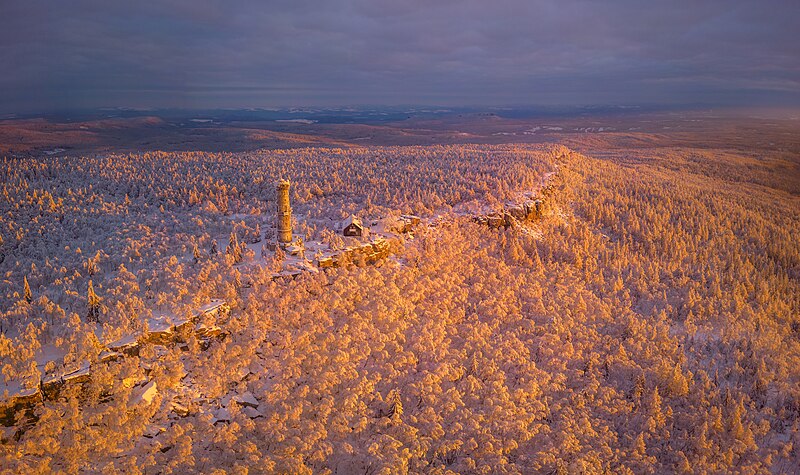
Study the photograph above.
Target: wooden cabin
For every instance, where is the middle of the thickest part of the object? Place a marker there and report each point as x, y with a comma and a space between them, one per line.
353, 227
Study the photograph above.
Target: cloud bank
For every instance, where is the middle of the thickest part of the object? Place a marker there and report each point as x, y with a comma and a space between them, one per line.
208, 54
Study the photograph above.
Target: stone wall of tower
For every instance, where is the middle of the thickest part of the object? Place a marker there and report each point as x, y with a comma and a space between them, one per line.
284, 213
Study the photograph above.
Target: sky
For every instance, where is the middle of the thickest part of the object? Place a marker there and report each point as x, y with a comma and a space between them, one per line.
200, 54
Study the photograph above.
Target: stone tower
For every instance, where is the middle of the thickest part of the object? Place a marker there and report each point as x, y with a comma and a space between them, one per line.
284, 213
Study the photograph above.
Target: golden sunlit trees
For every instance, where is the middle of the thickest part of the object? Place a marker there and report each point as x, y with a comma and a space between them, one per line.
648, 323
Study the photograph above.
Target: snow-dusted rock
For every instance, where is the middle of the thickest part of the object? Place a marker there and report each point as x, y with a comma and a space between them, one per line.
179, 408
252, 413
246, 399
222, 415
146, 394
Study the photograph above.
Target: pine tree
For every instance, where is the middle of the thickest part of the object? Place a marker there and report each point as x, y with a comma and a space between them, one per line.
639, 447
656, 413
91, 265
683, 465
213, 251
27, 290
700, 440
94, 304
280, 255
638, 390
233, 249
237, 280
196, 253
395, 405
678, 384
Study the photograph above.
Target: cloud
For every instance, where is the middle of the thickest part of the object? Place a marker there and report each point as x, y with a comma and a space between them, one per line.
205, 53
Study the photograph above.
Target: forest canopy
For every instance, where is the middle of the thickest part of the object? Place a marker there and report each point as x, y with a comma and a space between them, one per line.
649, 324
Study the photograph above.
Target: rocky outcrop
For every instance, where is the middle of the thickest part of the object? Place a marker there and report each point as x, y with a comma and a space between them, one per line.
164, 332
368, 253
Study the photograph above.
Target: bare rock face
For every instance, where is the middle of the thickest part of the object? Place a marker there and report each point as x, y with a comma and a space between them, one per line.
530, 210
518, 212
369, 253
497, 220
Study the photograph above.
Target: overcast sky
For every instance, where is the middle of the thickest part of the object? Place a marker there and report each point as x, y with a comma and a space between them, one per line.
208, 54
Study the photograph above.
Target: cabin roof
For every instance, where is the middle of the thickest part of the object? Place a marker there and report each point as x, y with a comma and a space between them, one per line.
352, 219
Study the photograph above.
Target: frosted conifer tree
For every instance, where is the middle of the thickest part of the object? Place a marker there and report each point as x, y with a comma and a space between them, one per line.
196, 253
93, 302
237, 281
27, 290
395, 405
279, 257
233, 249
91, 266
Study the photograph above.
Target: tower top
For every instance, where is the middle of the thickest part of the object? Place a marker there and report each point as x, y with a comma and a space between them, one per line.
280, 184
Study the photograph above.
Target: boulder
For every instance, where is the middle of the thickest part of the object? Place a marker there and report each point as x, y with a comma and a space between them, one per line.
246, 399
